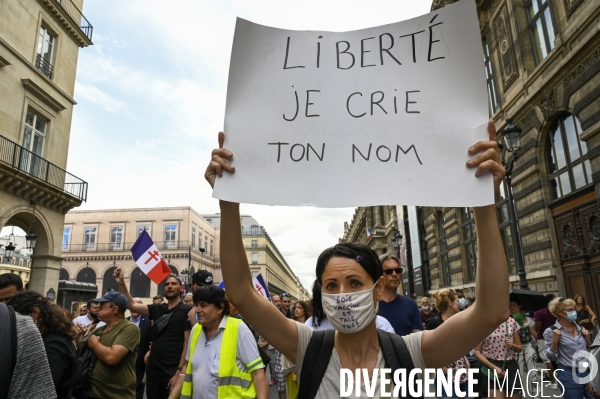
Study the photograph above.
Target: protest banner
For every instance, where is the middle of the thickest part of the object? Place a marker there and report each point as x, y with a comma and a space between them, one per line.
383, 115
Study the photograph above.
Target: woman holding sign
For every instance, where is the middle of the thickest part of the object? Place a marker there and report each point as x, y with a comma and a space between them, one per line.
351, 281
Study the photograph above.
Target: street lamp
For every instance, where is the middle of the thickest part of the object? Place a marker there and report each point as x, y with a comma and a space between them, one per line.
185, 273
512, 139
9, 251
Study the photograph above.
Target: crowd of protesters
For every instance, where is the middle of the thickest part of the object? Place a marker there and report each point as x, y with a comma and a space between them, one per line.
165, 349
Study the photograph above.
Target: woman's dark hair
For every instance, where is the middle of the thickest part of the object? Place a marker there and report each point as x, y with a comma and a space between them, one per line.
52, 319
306, 308
211, 294
583, 304
364, 255
515, 300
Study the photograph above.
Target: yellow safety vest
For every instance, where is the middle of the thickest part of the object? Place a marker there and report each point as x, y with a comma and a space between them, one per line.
232, 382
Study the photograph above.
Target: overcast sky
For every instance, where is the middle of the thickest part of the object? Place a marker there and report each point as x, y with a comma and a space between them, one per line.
151, 99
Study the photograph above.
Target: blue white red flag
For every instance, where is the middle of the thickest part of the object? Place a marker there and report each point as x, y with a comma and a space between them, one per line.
148, 258
259, 285
368, 233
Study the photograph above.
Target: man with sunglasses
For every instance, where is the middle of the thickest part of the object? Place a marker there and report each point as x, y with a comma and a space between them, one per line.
402, 313
115, 345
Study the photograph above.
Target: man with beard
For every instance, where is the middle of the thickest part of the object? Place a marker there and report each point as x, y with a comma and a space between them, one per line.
169, 335
276, 300
286, 304
91, 317
402, 313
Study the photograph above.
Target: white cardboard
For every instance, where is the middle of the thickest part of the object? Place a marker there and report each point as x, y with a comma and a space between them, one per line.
451, 102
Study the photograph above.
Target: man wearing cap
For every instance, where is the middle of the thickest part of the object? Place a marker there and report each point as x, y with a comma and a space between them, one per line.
402, 312
90, 317
115, 345
169, 335
223, 357
201, 278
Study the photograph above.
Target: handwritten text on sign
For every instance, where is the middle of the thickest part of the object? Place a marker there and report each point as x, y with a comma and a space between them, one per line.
377, 116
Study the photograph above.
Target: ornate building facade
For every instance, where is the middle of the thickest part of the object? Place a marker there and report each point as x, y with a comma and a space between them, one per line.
39, 47
542, 61
95, 242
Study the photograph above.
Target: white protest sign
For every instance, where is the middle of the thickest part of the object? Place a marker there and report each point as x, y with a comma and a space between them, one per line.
376, 116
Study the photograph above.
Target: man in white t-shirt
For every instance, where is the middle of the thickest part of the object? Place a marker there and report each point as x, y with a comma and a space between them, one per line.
91, 317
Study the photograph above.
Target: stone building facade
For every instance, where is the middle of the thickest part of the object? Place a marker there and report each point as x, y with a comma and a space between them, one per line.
94, 242
542, 60
265, 258
39, 46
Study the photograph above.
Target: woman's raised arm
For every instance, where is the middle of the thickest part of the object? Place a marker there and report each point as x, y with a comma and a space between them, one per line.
261, 314
464, 331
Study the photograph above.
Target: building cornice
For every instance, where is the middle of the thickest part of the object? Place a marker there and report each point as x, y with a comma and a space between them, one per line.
36, 71
67, 22
43, 95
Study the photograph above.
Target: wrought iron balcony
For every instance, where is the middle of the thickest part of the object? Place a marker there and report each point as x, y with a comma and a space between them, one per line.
33, 165
44, 66
76, 15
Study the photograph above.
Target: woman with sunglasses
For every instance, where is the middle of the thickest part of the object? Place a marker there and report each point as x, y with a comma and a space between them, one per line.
352, 273
563, 340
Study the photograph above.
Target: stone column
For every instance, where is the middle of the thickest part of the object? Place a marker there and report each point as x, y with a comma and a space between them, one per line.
44, 273
377, 212
370, 217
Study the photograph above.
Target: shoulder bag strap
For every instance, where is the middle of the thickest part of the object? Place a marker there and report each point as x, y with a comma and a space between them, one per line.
315, 363
395, 352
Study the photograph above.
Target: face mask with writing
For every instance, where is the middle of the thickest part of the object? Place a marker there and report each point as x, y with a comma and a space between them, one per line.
350, 312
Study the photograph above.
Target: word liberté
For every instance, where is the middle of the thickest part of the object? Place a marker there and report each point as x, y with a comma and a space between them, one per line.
345, 60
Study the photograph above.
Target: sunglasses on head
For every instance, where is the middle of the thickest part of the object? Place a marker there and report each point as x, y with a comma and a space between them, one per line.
389, 272
285, 294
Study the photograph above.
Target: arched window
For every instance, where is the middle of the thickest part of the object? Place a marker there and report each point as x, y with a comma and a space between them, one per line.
63, 274
139, 284
108, 282
161, 286
254, 230
446, 277
568, 167
470, 242
87, 275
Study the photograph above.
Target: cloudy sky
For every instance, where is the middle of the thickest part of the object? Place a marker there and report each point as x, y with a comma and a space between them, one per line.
151, 99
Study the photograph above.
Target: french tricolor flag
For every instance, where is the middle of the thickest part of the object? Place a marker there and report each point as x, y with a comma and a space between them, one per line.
259, 285
149, 259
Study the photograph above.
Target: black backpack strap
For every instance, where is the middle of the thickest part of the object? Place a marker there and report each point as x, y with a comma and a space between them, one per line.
315, 363
395, 352
8, 347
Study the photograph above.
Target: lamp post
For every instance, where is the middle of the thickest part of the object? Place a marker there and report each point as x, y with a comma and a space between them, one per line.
512, 140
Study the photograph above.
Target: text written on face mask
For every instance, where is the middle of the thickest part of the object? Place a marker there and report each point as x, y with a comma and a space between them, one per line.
346, 304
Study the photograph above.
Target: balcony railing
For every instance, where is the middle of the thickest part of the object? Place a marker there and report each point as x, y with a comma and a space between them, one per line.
77, 17
126, 247
31, 164
257, 231
44, 66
